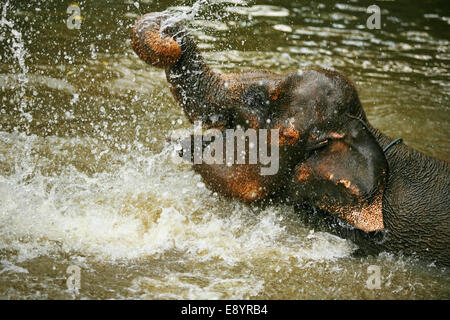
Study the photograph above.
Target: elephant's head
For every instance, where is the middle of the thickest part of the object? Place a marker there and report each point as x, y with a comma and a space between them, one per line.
341, 167
328, 155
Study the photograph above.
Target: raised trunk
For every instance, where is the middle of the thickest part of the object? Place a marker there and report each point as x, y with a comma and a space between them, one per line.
202, 94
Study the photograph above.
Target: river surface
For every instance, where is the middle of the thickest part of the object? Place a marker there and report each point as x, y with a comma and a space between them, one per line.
88, 183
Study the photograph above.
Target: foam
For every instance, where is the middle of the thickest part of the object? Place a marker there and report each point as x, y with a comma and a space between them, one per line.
143, 206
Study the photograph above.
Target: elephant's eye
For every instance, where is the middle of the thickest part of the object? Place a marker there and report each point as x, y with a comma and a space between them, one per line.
319, 145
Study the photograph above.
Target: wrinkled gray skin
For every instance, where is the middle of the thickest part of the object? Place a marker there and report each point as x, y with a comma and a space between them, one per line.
416, 208
331, 158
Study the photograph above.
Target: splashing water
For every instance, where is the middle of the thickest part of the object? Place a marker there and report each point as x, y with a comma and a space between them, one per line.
88, 179
145, 208
19, 52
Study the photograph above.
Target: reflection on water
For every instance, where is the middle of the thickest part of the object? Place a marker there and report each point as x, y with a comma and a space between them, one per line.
86, 176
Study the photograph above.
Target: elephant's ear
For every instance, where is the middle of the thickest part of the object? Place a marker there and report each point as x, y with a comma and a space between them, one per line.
346, 176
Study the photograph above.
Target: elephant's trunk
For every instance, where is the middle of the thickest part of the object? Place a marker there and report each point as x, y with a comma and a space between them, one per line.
163, 43
152, 40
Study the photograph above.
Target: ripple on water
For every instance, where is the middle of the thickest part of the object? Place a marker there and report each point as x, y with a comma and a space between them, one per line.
98, 188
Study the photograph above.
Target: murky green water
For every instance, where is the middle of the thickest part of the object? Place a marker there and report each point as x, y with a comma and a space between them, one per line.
86, 176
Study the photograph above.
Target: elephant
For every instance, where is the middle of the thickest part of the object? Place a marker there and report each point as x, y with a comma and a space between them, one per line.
351, 178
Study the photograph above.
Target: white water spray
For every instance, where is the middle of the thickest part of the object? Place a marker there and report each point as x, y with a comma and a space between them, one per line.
14, 37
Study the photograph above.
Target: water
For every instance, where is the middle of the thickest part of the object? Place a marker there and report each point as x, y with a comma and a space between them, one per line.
86, 176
